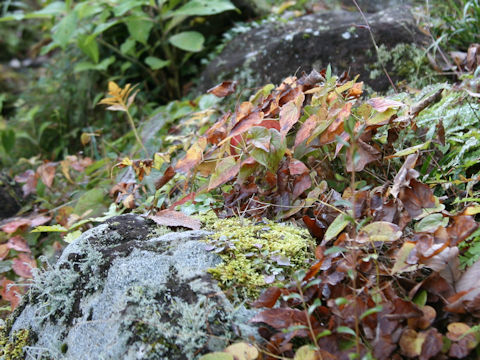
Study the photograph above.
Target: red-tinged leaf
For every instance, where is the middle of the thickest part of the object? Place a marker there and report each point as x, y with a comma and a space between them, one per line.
224, 89
226, 170
301, 184
9, 292
17, 243
175, 218
365, 154
167, 176
297, 167
315, 227
218, 131
22, 266
270, 124
314, 269
47, 173
4, 250
381, 104
419, 196
463, 226
268, 298
39, 220
245, 124
244, 110
12, 226
336, 128
306, 129
29, 178
193, 157
290, 113
189, 197
281, 318
356, 90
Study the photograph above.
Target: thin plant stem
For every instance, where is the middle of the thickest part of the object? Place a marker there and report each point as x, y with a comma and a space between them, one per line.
376, 46
139, 140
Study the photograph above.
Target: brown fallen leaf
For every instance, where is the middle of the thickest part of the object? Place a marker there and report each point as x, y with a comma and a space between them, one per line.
175, 218
223, 89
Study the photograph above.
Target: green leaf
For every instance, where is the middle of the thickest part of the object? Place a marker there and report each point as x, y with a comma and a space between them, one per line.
202, 7
102, 66
65, 30
431, 223
125, 6
128, 46
156, 63
50, 228
8, 139
277, 147
421, 298
411, 150
371, 311
5, 265
188, 41
337, 226
139, 28
345, 330
91, 200
89, 46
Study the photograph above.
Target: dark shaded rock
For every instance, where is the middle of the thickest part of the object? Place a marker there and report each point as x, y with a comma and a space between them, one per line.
273, 51
120, 291
372, 6
10, 197
251, 8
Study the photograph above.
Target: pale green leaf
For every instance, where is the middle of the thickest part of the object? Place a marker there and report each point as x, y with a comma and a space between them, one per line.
139, 28
50, 228
188, 41
202, 7
72, 236
217, 356
101, 66
156, 63
65, 30
381, 231
336, 227
89, 46
431, 223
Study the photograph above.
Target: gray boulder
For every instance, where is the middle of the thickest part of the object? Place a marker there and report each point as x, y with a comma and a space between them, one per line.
275, 50
120, 291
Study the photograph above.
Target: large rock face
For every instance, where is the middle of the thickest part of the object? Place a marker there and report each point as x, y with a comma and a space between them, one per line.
119, 292
271, 52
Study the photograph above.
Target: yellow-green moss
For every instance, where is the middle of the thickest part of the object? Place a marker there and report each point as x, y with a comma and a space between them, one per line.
12, 348
253, 251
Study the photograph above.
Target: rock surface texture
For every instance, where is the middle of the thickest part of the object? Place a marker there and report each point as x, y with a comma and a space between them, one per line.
121, 292
10, 197
275, 50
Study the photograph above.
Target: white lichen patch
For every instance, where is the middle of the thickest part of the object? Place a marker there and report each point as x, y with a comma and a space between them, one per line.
346, 35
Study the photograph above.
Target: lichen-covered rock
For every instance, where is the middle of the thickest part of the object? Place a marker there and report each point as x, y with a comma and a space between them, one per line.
10, 197
120, 291
275, 50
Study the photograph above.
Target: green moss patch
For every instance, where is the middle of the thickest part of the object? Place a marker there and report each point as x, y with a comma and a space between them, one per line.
255, 255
